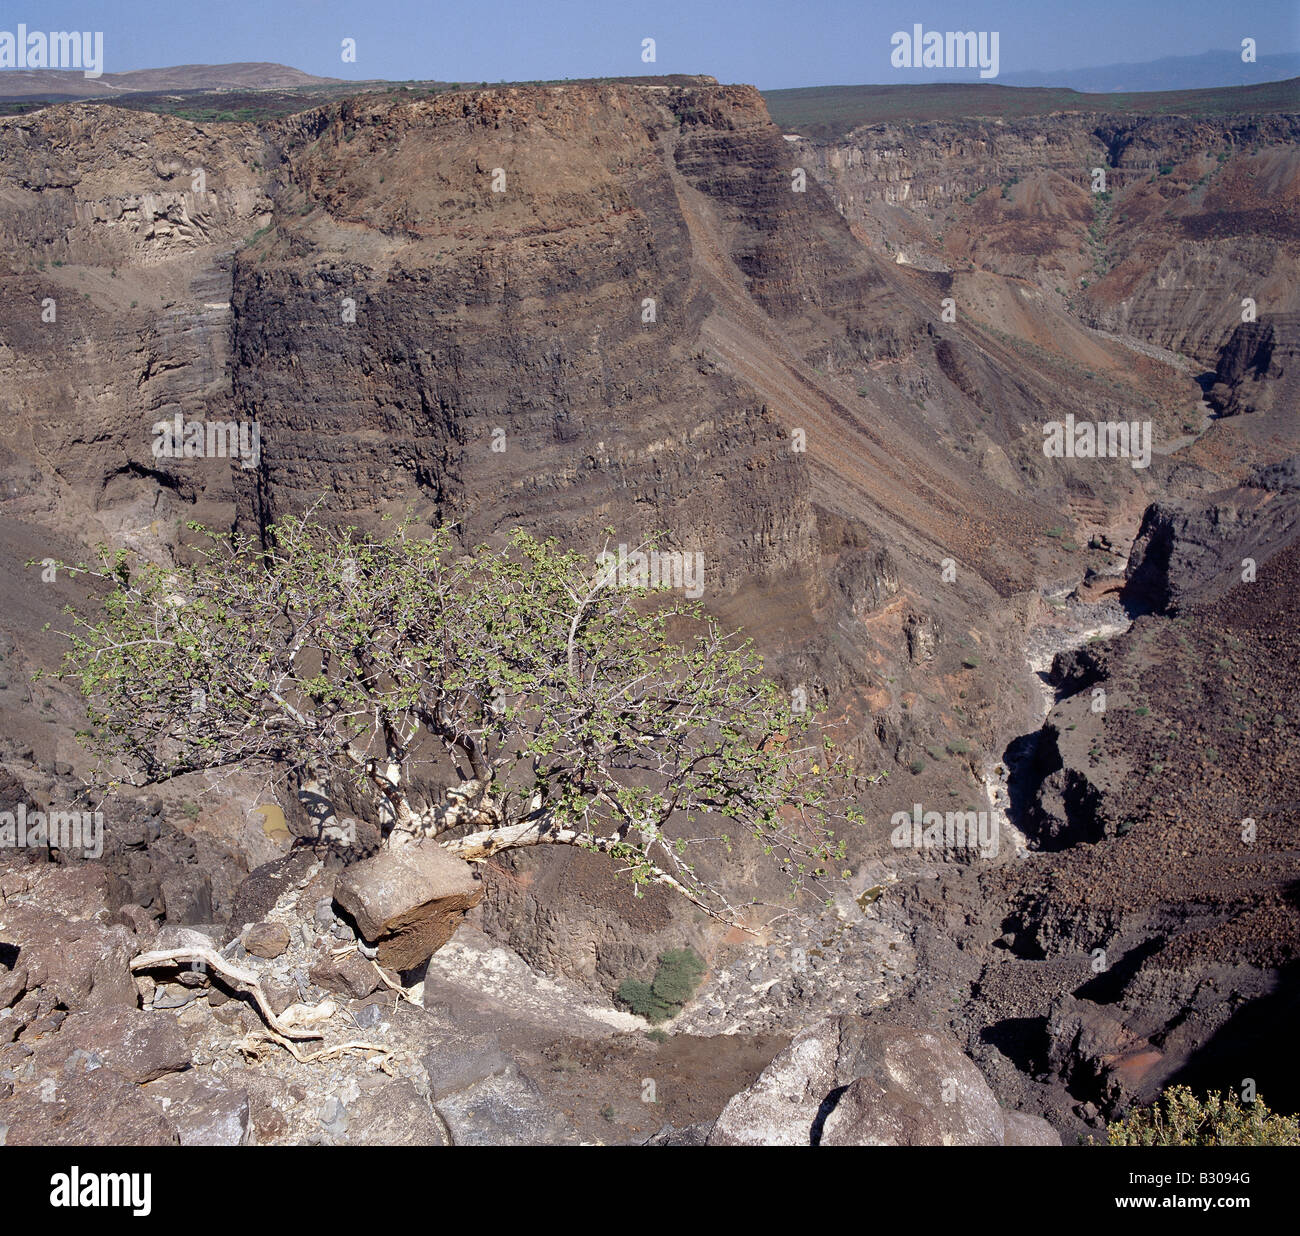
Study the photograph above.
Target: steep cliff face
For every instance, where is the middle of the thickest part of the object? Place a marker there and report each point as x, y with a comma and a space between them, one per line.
574, 308
608, 306
648, 327
493, 297
1189, 884
1259, 367
570, 309
1190, 551
1150, 936
117, 231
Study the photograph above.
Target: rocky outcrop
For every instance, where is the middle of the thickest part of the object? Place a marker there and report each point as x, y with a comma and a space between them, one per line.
74, 1047
133, 1044
849, 1081
922, 638
1259, 367
407, 902
1158, 945
155, 206
652, 326
1193, 551
867, 580
203, 1111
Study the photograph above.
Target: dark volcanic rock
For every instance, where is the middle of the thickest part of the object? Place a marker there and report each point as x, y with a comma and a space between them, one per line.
139, 1045
504, 1109
1283, 477
262, 888
1259, 367
267, 940
457, 1064
351, 974
99, 1109
394, 1115
1189, 551
76, 965
203, 1112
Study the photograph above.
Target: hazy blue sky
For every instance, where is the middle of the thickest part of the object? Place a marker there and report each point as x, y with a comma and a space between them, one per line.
771, 43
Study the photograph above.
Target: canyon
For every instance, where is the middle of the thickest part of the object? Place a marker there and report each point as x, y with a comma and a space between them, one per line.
434, 304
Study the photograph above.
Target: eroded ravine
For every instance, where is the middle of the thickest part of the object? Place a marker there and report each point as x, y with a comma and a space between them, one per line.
1073, 623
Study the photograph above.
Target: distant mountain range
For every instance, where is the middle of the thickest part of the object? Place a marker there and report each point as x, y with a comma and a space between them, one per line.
1213, 68
73, 84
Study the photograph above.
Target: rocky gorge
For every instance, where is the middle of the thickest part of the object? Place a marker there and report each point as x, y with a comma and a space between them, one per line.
647, 327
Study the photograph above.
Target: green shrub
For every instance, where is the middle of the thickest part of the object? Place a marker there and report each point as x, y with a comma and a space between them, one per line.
1179, 1118
676, 978
639, 996
679, 974
917, 765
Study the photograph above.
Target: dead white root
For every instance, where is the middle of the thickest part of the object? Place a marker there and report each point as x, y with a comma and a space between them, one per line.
380, 1056
245, 980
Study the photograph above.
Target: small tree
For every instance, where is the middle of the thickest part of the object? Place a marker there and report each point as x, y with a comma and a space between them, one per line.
562, 710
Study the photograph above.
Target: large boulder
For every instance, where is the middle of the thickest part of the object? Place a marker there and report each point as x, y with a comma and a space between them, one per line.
97, 1108
1023, 1129
457, 1064
869, 1114
789, 1101
76, 964
138, 1046
504, 1108
407, 902
919, 1090
394, 1115
203, 1111
848, 1081
257, 894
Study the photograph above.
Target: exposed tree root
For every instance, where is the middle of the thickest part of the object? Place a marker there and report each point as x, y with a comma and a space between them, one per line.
384, 1061
244, 980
